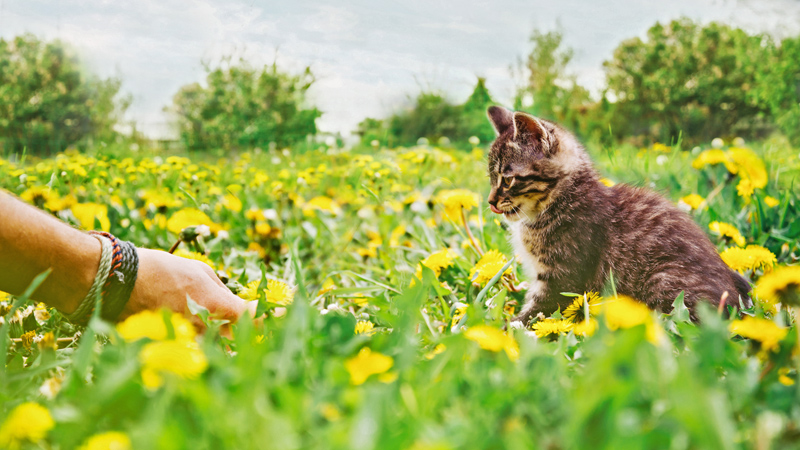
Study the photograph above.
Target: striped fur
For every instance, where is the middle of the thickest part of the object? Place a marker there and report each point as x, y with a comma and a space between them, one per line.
571, 231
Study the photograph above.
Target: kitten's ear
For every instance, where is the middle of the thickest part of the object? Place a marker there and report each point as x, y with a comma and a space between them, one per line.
529, 128
501, 118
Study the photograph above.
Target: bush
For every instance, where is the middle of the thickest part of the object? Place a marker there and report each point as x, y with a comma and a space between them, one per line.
687, 79
244, 107
433, 117
778, 88
47, 103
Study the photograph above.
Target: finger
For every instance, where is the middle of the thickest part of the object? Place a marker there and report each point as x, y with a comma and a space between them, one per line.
211, 273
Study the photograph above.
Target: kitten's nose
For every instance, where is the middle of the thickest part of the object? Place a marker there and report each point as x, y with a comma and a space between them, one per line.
493, 203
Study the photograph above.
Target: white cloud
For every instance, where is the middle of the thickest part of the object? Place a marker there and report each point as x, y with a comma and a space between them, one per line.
368, 56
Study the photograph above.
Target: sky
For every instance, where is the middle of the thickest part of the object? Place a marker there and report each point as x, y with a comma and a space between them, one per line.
370, 57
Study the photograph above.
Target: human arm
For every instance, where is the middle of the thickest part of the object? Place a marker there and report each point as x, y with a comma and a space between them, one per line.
32, 241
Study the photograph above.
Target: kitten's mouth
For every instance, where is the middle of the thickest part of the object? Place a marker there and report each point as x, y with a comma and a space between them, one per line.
507, 213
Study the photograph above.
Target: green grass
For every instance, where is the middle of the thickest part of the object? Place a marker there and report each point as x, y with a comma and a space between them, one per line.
285, 384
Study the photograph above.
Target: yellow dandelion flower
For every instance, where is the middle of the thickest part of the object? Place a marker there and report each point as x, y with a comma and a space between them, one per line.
608, 182
56, 203
257, 248
150, 324
326, 287
765, 331
493, 339
693, 200
784, 378
37, 195
159, 221
86, 213
659, 147
440, 348
375, 239
188, 217
27, 422
585, 328
367, 252
575, 311
330, 412
458, 314
27, 339
110, 440
322, 203
250, 291
367, 363
263, 229
456, 200
710, 158
771, 201
232, 203
188, 254
727, 230
437, 261
279, 293
398, 232
181, 358
551, 328
488, 266
780, 286
745, 188
624, 312
750, 166
750, 258
254, 215
159, 199
364, 327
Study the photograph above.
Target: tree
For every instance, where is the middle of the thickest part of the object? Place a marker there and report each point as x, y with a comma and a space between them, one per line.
778, 88
244, 107
47, 102
475, 122
555, 92
433, 117
686, 79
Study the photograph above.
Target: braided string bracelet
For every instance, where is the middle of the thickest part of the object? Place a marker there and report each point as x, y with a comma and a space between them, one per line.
121, 279
86, 306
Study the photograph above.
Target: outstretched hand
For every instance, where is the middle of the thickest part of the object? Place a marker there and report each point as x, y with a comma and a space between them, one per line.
164, 281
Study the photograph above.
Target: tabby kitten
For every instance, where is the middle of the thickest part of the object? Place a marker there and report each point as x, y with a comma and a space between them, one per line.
570, 231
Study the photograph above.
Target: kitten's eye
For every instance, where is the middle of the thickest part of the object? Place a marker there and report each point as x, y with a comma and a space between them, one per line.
506, 181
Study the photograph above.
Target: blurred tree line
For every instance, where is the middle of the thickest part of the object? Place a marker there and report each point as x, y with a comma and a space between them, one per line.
434, 118
244, 107
684, 81
47, 102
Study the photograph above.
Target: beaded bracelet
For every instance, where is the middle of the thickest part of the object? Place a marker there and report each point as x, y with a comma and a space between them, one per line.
124, 270
116, 276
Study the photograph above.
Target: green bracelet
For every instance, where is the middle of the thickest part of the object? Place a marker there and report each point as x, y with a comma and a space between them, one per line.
86, 307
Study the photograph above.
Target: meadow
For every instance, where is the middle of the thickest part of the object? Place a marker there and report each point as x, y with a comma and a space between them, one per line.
386, 285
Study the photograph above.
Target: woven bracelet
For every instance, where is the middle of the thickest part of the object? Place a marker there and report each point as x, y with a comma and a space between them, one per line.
122, 277
84, 311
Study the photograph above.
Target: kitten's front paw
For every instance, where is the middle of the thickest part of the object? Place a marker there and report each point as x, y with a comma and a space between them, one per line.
516, 325
522, 319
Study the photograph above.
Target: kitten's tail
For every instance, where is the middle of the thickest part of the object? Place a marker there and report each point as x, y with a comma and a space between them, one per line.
743, 288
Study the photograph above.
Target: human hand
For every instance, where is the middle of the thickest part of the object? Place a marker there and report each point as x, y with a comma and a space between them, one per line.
164, 280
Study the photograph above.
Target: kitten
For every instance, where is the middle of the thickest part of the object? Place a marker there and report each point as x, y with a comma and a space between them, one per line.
570, 231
